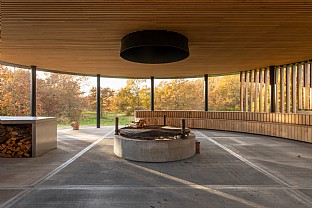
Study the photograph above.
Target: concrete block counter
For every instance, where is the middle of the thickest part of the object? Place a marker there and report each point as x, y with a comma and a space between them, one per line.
27, 136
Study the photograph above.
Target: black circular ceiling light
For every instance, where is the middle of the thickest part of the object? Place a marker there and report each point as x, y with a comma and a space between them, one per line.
154, 47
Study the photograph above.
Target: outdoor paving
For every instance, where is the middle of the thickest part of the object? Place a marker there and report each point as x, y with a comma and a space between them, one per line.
232, 170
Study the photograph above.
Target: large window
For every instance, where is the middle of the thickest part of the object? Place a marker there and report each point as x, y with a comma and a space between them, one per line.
179, 94
224, 93
61, 96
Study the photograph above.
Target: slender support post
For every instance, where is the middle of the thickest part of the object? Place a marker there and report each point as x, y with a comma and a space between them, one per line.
183, 128
116, 126
277, 90
206, 91
282, 101
310, 64
306, 86
266, 88
241, 92
246, 90
98, 101
299, 70
288, 89
165, 121
33, 93
252, 81
256, 79
152, 94
260, 90
294, 88
273, 89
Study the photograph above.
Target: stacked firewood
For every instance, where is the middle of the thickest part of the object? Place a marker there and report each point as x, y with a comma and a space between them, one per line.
15, 141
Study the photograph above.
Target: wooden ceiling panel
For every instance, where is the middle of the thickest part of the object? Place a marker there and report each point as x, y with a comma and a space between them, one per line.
224, 36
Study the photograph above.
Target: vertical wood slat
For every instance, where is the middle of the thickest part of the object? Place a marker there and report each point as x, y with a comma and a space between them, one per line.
260, 90
282, 94
241, 91
299, 70
256, 79
266, 88
252, 76
246, 90
277, 94
294, 88
310, 64
306, 86
288, 89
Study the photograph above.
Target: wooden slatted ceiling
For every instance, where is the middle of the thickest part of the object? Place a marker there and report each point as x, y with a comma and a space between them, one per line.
224, 36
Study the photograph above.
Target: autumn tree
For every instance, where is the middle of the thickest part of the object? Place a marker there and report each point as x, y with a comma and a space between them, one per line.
224, 93
134, 96
60, 95
106, 99
179, 94
14, 92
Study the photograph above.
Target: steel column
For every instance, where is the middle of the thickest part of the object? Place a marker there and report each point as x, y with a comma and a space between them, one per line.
152, 93
33, 93
206, 91
98, 101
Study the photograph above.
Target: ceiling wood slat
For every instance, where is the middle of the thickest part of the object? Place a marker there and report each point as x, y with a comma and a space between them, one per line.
225, 36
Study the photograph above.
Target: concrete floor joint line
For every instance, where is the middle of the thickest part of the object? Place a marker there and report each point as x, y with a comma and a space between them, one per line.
293, 192
22, 194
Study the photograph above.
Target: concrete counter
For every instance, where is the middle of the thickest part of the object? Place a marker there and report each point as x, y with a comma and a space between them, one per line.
44, 131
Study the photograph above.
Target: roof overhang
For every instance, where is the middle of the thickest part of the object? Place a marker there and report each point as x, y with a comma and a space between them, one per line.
225, 36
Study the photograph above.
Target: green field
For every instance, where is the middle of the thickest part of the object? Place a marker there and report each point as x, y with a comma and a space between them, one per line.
89, 119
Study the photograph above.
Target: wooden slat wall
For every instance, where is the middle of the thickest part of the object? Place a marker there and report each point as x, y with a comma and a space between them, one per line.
293, 89
261, 90
288, 89
299, 70
266, 88
290, 126
256, 90
246, 89
282, 90
242, 91
310, 65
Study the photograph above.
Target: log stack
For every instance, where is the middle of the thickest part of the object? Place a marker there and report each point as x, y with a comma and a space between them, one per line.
15, 141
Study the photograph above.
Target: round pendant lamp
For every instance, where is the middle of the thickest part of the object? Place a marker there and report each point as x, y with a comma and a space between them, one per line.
154, 47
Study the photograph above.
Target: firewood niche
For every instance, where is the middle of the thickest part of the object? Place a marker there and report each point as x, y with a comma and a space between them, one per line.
15, 141
22, 137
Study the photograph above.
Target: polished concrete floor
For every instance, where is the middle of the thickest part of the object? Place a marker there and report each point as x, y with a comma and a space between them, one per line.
232, 170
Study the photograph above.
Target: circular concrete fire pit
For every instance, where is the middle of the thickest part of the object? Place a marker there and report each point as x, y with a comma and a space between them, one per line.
154, 144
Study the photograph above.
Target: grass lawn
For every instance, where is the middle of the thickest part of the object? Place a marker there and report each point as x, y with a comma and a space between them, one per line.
89, 119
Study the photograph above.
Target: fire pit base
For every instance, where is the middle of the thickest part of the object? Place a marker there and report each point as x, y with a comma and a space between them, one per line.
154, 150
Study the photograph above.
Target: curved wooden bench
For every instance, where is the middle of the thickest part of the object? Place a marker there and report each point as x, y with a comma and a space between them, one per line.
289, 126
